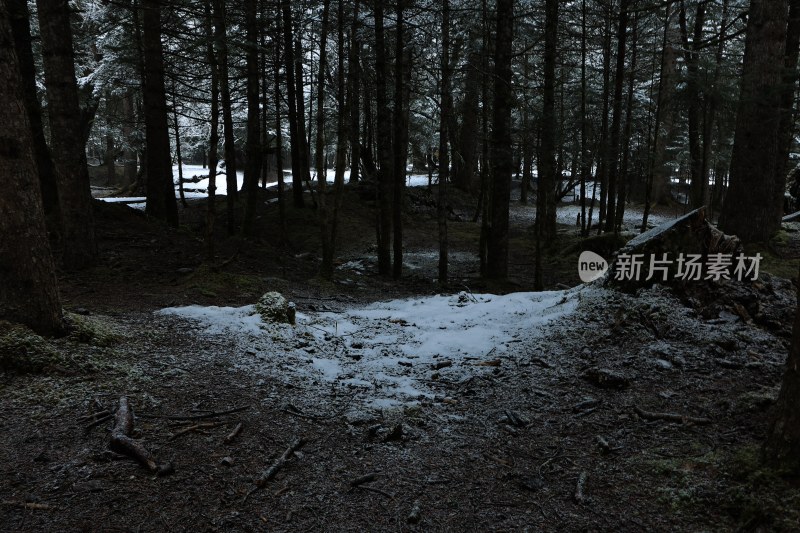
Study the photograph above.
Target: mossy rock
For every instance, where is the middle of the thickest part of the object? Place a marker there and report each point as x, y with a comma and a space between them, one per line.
90, 330
22, 351
273, 307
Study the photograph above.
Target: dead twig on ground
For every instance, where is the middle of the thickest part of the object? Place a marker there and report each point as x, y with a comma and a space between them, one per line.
200, 416
670, 417
33, 506
195, 427
233, 434
279, 463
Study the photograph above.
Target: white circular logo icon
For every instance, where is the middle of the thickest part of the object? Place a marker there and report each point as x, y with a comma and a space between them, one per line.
591, 266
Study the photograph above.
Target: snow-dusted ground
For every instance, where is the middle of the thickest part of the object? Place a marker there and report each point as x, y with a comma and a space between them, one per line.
388, 352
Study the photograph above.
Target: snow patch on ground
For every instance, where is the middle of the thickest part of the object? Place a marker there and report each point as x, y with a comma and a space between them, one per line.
388, 352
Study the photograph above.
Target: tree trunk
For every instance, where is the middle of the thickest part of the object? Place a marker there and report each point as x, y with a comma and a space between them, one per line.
129, 153
444, 159
21, 30
384, 148
294, 137
698, 183
354, 80
464, 171
402, 88
502, 153
28, 290
754, 204
231, 180
548, 172
616, 121
604, 134
68, 150
213, 141
782, 447
622, 188
252, 169
161, 201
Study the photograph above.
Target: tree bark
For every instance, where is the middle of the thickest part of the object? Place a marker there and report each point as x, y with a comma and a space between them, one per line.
68, 150
402, 90
444, 159
252, 169
28, 290
698, 182
161, 201
384, 147
548, 172
21, 30
213, 141
616, 121
294, 139
231, 180
754, 204
502, 152
782, 447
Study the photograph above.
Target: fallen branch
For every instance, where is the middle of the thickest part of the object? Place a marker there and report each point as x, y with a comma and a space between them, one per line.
233, 434
101, 420
670, 417
579, 487
195, 427
33, 506
200, 416
121, 441
368, 478
270, 472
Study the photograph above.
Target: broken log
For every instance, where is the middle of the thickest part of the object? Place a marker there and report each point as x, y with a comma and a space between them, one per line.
670, 417
121, 441
689, 234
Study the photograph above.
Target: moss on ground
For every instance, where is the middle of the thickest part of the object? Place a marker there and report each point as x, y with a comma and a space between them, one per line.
91, 330
22, 351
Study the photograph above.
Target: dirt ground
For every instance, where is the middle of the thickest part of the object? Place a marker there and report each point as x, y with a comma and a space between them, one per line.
564, 434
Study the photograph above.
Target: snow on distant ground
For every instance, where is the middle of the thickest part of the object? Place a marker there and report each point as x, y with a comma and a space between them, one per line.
199, 188
388, 352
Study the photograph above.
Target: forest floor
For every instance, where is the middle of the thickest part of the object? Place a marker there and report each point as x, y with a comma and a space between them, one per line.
557, 427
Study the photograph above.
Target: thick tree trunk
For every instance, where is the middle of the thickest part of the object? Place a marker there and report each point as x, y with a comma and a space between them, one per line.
789, 90
384, 147
161, 201
294, 138
444, 158
464, 159
252, 169
402, 92
782, 447
28, 291
21, 30
605, 150
213, 141
622, 189
354, 80
502, 152
129, 154
231, 180
68, 150
754, 204
698, 182
616, 121
548, 171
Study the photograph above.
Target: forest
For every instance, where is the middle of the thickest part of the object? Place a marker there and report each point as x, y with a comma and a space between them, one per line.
414, 265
